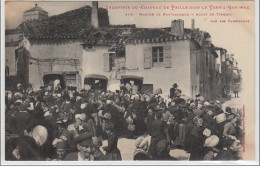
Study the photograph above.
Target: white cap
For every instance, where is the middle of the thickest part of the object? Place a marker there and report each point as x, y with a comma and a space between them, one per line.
83, 106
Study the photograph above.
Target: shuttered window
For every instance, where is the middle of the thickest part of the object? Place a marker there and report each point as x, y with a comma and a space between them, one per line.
167, 56
158, 56
147, 57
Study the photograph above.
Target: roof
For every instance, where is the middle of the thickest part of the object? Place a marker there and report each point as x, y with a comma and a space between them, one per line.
72, 25
76, 24
96, 76
13, 31
36, 8
119, 36
111, 35
148, 35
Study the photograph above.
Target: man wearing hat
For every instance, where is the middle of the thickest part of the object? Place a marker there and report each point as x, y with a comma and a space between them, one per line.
61, 151
172, 90
83, 154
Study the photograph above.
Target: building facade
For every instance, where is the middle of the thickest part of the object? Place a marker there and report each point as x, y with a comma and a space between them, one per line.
90, 45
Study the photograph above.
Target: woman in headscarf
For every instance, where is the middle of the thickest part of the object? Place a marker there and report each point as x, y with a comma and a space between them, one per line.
83, 129
112, 152
197, 140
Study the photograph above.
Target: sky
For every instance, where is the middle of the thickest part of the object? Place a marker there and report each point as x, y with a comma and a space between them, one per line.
237, 38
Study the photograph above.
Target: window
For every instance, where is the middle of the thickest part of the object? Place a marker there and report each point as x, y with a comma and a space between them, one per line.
157, 56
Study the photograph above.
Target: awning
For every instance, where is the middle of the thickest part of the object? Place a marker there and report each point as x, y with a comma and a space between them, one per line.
131, 77
53, 72
96, 76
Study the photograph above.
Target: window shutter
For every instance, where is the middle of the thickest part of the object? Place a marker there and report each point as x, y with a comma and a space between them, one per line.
106, 62
121, 62
147, 57
167, 56
197, 63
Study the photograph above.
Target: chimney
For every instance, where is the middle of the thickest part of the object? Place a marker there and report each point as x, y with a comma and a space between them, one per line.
192, 24
94, 14
177, 27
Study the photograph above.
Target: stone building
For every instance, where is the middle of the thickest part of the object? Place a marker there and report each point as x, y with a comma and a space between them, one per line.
82, 42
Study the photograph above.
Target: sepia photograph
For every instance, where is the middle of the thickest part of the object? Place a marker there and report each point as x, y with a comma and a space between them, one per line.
171, 82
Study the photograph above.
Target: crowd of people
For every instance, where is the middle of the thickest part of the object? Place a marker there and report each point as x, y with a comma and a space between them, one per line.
60, 124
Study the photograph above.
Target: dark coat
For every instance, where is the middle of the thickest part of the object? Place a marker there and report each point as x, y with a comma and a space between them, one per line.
226, 155
10, 122
197, 139
172, 92
112, 143
158, 129
27, 148
112, 152
21, 122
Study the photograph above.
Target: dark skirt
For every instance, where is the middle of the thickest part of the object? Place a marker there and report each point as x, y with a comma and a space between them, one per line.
113, 155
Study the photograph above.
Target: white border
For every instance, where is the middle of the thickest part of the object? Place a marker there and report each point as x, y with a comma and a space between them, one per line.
134, 163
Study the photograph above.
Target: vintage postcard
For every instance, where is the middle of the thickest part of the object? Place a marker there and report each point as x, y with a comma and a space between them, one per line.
129, 83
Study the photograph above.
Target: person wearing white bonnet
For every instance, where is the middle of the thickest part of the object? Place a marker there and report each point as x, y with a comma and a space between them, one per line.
199, 106
220, 118
18, 102
18, 95
206, 103
56, 82
81, 117
209, 150
83, 129
192, 105
18, 85
40, 135
217, 102
211, 141
78, 98
59, 95
83, 106
109, 102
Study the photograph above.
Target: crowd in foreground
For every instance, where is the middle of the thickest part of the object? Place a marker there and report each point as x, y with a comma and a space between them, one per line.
59, 124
